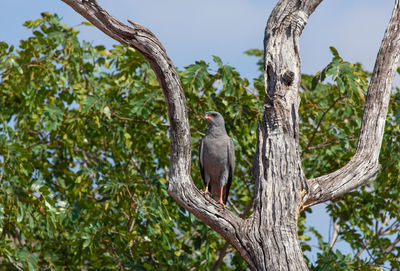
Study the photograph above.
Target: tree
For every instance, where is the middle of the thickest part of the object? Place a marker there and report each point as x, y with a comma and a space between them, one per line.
78, 157
367, 219
268, 238
84, 156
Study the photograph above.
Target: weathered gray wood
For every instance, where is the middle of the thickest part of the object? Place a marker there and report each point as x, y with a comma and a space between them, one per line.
268, 239
180, 184
364, 163
277, 166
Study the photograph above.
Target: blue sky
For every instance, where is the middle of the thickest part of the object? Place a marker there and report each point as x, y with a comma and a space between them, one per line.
193, 30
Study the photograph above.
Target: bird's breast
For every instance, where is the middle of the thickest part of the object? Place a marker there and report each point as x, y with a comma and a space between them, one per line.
215, 152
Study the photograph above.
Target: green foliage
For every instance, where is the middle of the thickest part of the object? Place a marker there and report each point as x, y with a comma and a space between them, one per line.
84, 156
367, 219
331, 111
330, 118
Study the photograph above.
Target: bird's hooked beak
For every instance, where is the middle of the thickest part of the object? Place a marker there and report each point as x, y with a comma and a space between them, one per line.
209, 117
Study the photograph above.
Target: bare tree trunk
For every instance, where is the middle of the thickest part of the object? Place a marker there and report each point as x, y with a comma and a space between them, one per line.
268, 239
277, 167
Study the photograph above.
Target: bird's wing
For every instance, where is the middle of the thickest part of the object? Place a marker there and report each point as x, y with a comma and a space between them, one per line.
201, 160
231, 168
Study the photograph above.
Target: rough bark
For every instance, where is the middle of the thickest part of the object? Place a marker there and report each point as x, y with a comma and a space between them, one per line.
278, 173
268, 239
180, 184
364, 163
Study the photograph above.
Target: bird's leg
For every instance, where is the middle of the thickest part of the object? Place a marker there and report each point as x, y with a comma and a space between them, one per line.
220, 198
206, 190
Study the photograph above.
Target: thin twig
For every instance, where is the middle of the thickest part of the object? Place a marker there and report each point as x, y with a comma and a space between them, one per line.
393, 226
128, 119
392, 246
222, 253
328, 143
36, 144
319, 123
16, 266
336, 229
224, 249
132, 224
86, 155
139, 169
234, 206
2, 169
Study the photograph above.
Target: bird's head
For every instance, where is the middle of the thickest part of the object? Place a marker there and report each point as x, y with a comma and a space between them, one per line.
214, 119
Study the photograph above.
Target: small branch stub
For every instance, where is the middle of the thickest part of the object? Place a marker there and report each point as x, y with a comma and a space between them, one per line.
288, 78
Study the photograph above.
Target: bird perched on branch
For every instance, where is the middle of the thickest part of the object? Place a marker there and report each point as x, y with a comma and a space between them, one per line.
217, 158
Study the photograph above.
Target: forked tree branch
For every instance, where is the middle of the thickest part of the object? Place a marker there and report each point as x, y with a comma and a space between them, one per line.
278, 173
180, 185
364, 164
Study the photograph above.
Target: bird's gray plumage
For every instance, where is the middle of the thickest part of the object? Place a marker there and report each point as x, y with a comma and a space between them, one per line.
217, 157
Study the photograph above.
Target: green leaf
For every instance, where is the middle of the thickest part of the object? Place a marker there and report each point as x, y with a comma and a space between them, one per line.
217, 61
86, 23
196, 75
86, 243
88, 103
334, 52
107, 112
20, 214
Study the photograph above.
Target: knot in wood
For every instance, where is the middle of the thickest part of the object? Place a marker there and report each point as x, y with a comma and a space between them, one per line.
271, 119
288, 78
295, 21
